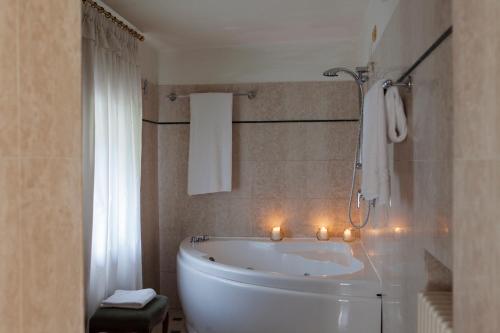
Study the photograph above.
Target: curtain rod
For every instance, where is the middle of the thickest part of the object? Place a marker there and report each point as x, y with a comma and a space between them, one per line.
114, 19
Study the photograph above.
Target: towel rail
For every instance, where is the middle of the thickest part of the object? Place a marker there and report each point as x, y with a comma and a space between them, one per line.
427, 53
389, 83
405, 79
251, 95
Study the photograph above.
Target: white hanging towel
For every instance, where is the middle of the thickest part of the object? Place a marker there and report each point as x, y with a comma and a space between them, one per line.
396, 118
129, 299
375, 172
210, 143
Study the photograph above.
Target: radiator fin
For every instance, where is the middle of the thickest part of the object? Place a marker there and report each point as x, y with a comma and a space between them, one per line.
435, 312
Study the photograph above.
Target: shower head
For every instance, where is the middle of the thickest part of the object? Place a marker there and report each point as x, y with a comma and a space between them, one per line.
357, 76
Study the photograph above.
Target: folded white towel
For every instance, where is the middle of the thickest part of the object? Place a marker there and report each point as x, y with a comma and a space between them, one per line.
129, 299
210, 143
396, 118
375, 171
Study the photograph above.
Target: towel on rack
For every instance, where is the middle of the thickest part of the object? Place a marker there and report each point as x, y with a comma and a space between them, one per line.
375, 171
210, 143
396, 118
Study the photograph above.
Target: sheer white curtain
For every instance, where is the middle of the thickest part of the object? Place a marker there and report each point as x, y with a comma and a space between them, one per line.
112, 114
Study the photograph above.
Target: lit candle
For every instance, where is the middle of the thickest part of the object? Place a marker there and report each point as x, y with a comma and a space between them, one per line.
398, 232
276, 234
348, 235
322, 234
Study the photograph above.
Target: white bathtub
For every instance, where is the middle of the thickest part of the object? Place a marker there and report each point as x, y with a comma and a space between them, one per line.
296, 285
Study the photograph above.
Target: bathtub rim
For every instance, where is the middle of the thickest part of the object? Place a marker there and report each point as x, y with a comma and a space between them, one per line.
364, 283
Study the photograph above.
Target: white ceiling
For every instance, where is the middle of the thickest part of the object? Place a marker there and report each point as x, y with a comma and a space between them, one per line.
201, 24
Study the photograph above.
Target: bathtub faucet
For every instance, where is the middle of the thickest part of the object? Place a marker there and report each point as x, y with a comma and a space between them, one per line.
197, 239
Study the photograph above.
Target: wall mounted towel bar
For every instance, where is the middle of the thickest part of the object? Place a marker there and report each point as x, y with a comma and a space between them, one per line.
405, 79
251, 95
389, 83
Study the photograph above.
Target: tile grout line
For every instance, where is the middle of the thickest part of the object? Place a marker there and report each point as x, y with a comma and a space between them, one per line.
19, 170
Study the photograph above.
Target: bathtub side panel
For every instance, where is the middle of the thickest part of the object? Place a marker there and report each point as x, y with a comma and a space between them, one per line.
212, 304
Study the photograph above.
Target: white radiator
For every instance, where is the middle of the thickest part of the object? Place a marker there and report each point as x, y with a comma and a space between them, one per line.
435, 312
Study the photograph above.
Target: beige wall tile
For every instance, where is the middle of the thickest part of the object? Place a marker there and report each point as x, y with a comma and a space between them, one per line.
431, 131
52, 243
243, 178
269, 180
52, 283
46, 183
479, 121
169, 243
295, 175
149, 191
476, 176
331, 141
50, 113
9, 144
433, 207
476, 185
169, 287
11, 259
150, 99
49, 168
337, 99
198, 216
42, 258
10, 265
329, 179
236, 219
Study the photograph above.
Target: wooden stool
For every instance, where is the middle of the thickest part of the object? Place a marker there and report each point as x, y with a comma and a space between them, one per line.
116, 320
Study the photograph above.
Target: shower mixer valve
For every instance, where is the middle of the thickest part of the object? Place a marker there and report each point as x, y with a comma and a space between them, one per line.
359, 198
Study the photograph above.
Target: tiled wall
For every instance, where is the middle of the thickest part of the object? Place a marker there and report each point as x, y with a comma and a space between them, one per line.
149, 189
41, 265
296, 175
476, 174
419, 221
